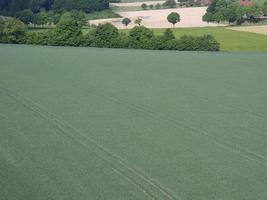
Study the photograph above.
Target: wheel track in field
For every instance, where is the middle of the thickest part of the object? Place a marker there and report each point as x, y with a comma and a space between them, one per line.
157, 116
195, 130
60, 126
234, 147
144, 110
112, 159
139, 186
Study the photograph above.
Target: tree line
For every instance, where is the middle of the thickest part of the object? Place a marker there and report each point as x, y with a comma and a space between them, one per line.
231, 11
11, 7
68, 32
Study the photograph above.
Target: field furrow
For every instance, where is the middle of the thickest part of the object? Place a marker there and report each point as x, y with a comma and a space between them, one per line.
89, 123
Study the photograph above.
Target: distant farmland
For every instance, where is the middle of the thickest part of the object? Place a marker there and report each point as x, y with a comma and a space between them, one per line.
114, 124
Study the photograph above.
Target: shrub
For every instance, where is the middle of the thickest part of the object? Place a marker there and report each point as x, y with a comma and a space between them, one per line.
105, 35
67, 33
41, 18
102, 15
38, 38
207, 43
126, 21
11, 30
144, 6
138, 21
141, 38
265, 8
167, 41
157, 6
26, 16
168, 34
169, 4
202, 43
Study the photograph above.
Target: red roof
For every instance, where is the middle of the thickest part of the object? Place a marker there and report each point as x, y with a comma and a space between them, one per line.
246, 3
206, 2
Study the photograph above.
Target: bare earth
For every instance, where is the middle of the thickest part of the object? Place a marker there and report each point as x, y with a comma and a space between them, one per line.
252, 29
190, 17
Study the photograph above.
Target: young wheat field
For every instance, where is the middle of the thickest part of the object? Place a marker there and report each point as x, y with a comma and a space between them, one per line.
114, 124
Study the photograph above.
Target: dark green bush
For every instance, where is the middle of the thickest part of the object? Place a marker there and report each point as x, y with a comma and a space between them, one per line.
202, 43
68, 33
38, 38
167, 41
11, 30
105, 35
141, 38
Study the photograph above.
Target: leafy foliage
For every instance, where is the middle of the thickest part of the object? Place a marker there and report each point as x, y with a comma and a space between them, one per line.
11, 30
138, 21
26, 16
85, 5
169, 4
126, 21
141, 37
102, 15
144, 6
10, 7
68, 33
265, 8
76, 15
104, 35
158, 6
232, 12
202, 43
173, 18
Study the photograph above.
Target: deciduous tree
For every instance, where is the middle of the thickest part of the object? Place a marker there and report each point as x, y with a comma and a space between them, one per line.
126, 21
173, 18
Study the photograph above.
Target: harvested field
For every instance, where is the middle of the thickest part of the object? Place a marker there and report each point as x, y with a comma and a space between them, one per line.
135, 4
114, 124
252, 29
190, 17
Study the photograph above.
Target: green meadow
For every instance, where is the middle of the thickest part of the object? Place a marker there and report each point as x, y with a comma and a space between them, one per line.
230, 40
89, 123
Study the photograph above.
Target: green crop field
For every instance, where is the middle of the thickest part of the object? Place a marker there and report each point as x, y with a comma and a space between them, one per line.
230, 40
114, 124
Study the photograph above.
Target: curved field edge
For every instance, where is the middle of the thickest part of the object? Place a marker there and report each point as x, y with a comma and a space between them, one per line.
187, 120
